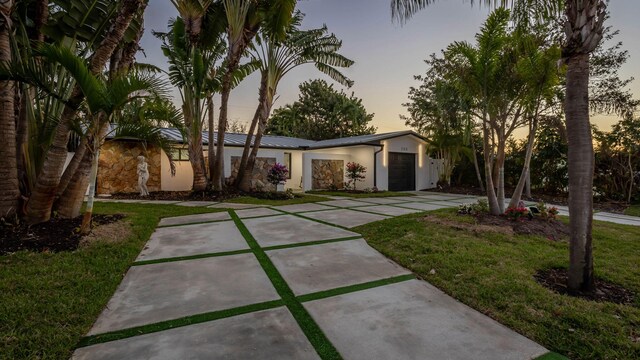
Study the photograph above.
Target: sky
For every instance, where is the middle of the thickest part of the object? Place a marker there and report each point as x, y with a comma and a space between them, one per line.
387, 55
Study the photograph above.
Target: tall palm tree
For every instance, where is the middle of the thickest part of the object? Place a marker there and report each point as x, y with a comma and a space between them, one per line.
244, 18
277, 58
43, 196
583, 28
9, 188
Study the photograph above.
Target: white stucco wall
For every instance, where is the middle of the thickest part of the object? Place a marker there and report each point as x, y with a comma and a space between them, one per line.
405, 144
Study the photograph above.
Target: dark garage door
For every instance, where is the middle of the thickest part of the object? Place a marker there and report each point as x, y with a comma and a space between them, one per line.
402, 171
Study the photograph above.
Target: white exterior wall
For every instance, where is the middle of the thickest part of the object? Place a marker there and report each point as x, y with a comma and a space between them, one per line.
362, 154
405, 144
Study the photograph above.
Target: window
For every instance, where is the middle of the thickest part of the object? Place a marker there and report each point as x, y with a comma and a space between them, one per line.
180, 154
287, 163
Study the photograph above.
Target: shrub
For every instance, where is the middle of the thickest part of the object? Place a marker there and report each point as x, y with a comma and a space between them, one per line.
355, 173
480, 207
548, 213
277, 175
517, 213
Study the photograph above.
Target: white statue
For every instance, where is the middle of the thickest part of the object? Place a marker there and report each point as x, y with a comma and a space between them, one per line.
143, 175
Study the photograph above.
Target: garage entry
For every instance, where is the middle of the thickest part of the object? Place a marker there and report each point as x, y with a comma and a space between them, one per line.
402, 171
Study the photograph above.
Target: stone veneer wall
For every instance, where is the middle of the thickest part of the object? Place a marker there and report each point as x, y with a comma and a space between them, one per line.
260, 172
326, 174
118, 165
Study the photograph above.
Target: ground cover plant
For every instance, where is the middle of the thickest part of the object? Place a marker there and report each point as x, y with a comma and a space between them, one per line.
50, 300
493, 272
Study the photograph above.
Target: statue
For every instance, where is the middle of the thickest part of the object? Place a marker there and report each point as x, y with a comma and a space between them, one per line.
143, 175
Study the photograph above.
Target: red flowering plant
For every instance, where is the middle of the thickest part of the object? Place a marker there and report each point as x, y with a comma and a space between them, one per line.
277, 175
355, 173
517, 213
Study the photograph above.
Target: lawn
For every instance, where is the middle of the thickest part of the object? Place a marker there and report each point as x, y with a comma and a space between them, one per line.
359, 194
48, 301
633, 210
493, 273
302, 199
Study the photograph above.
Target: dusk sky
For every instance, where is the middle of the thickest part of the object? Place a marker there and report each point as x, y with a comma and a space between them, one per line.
387, 55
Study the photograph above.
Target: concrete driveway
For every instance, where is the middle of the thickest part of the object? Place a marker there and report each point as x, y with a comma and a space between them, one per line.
289, 282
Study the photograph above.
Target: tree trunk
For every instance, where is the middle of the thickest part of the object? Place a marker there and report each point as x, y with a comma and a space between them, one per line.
41, 201
476, 166
9, 185
88, 212
631, 178
262, 95
499, 165
70, 201
517, 193
488, 173
528, 182
196, 157
72, 167
581, 166
251, 162
210, 145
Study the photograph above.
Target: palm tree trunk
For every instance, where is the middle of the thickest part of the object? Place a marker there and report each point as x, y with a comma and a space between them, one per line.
9, 185
210, 145
581, 165
492, 199
264, 117
88, 212
41, 201
72, 167
476, 166
500, 158
517, 193
240, 178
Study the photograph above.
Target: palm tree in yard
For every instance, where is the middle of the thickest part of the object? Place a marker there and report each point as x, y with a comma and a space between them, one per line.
9, 189
243, 19
583, 22
46, 186
277, 58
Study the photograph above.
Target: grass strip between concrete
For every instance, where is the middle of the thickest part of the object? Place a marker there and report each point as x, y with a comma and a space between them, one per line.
176, 323
309, 243
191, 257
353, 288
310, 328
551, 356
194, 223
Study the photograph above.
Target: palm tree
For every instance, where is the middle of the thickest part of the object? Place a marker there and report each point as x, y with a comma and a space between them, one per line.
244, 18
9, 188
43, 196
277, 58
583, 28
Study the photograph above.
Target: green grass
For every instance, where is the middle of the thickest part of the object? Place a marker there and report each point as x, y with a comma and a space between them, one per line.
310, 328
303, 199
48, 301
633, 210
359, 195
493, 273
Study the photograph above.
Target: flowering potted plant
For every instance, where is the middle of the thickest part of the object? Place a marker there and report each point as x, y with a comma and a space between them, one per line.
277, 175
355, 173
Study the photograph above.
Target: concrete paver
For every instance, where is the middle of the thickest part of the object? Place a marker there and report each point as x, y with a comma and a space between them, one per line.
165, 291
414, 320
316, 268
403, 198
343, 203
422, 206
441, 196
345, 217
160, 202
235, 206
194, 239
290, 229
249, 213
268, 334
191, 219
298, 208
384, 200
389, 210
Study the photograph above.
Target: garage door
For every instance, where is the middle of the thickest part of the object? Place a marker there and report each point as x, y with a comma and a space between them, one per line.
402, 171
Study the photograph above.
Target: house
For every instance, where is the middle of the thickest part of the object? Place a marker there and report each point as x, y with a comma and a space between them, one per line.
395, 161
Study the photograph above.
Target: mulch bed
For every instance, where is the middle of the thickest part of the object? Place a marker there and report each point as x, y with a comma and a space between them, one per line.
556, 199
176, 195
549, 228
52, 236
556, 280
